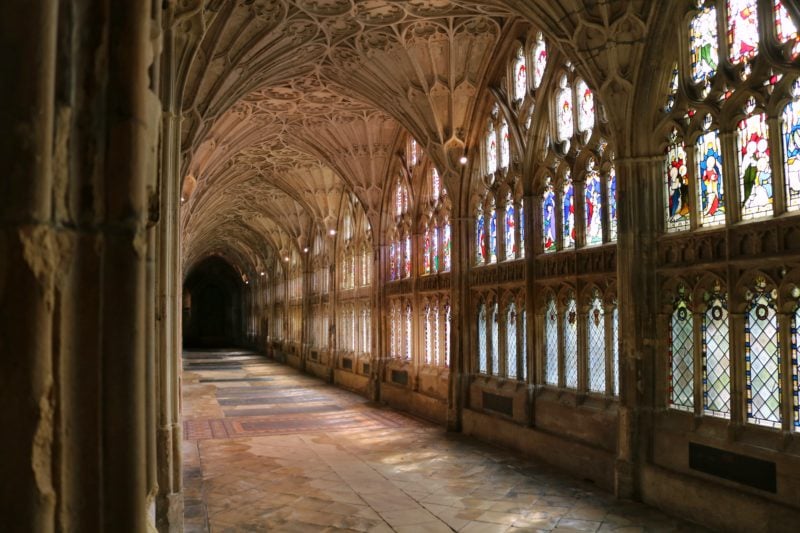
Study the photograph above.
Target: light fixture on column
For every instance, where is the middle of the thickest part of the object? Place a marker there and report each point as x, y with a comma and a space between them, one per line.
332, 232
463, 159
305, 250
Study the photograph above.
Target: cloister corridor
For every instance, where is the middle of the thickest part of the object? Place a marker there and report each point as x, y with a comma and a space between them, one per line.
270, 449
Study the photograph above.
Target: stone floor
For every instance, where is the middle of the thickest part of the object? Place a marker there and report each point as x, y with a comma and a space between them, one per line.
270, 449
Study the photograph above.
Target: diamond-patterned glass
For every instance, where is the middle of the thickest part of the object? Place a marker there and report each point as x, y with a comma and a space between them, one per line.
762, 363
571, 345
428, 335
551, 346
447, 334
524, 369
437, 335
596, 331
495, 323
681, 354
482, 361
615, 349
716, 359
511, 341
796, 367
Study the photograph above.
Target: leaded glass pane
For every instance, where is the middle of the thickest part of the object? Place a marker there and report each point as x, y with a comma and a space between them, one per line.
434, 250
677, 188
755, 174
791, 148
596, 331
571, 345
428, 335
493, 235
568, 213
480, 238
762, 362
612, 203
511, 342
446, 246
447, 319
511, 245
505, 147
585, 106
495, 353
491, 151
407, 257
681, 353
539, 61
426, 252
549, 218
520, 75
593, 207
703, 45
742, 30
524, 368
615, 348
709, 179
408, 341
551, 344
796, 367
436, 185
522, 228
786, 28
716, 358
437, 336
482, 359
564, 124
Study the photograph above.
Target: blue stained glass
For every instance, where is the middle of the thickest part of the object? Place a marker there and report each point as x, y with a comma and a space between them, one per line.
677, 188
493, 236
612, 204
593, 208
703, 44
709, 177
791, 147
568, 213
755, 174
522, 228
511, 245
480, 238
549, 218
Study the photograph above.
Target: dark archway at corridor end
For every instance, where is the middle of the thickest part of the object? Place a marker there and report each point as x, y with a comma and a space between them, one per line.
212, 306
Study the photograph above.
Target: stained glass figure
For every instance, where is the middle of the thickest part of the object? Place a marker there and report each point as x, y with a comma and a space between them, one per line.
426, 252
791, 150
520, 76
446, 246
568, 212
495, 353
493, 234
482, 353
522, 228
585, 106
434, 250
511, 341
393, 261
611, 191
594, 206
505, 147
564, 120
672, 89
491, 150
755, 174
786, 28
549, 217
681, 355
677, 188
447, 326
571, 344
615, 348
480, 237
703, 45
407, 257
716, 357
742, 30
596, 332
709, 179
551, 343
539, 61
510, 240
762, 358
408, 323
401, 200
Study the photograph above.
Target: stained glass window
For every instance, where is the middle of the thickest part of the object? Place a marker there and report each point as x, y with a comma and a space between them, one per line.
571, 344
408, 341
594, 206
786, 28
505, 148
426, 252
615, 348
596, 332
491, 150
681, 354
436, 184
677, 188
520, 75
447, 326
436, 334
511, 341
755, 174
549, 217
762, 359
585, 106
709, 179
539, 61
791, 149
435, 249
673, 88
482, 359
551, 344
565, 127
611, 191
446, 246
401, 200
495, 353
428, 334
522, 227
511, 245
407, 257
393, 261
524, 324
568, 212
742, 30
480, 237
716, 357
703, 45
412, 152
493, 233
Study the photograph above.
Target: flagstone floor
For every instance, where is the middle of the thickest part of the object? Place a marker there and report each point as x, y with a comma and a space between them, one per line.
269, 449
